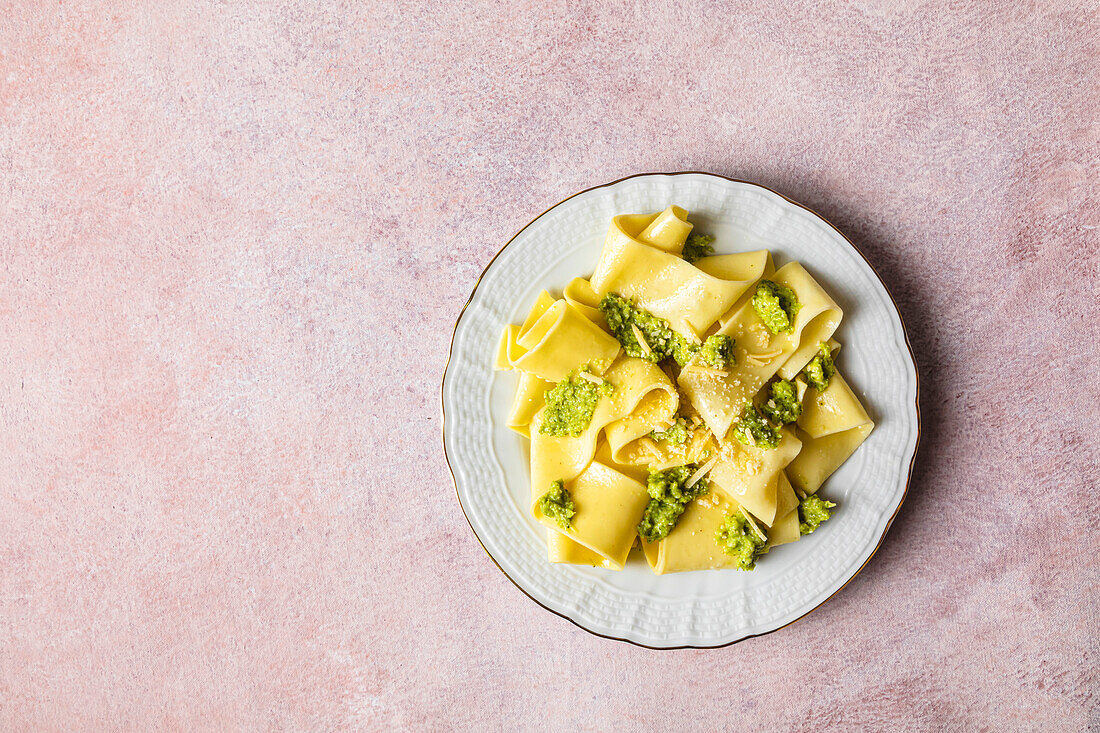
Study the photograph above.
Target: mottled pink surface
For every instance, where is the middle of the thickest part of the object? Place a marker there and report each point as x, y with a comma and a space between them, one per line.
234, 239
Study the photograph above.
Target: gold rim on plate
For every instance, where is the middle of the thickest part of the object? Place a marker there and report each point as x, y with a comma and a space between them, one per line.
908, 345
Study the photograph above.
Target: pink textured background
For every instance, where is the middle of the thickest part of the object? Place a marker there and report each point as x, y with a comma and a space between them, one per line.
234, 239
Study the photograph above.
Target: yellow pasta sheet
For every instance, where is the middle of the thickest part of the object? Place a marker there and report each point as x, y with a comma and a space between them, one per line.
833, 424
608, 505
564, 457
691, 544
651, 272
750, 475
785, 527
759, 354
555, 338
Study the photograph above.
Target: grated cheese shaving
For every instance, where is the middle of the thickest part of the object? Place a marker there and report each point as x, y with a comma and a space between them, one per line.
701, 472
752, 523
763, 358
590, 378
641, 340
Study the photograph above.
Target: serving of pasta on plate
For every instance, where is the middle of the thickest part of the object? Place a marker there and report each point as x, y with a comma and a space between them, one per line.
679, 404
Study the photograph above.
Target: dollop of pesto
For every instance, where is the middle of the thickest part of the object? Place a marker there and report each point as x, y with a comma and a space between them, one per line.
570, 405
737, 539
777, 305
558, 505
668, 499
812, 511
717, 351
782, 405
821, 368
622, 315
697, 247
753, 423
675, 434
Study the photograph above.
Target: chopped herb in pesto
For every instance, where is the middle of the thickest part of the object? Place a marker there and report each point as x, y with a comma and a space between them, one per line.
782, 406
752, 429
557, 504
570, 404
668, 499
623, 317
717, 351
737, 539
777, 305
697, 247
821, 368
812, 511
675, 434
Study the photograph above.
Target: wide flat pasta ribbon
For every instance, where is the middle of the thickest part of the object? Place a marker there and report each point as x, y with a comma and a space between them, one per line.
561, 549
691, 545
744, 268
750, 475
608, 505
555, 339
785, 527
579, 294
832, 425
564, 457
758, 353
529, 399
651, 272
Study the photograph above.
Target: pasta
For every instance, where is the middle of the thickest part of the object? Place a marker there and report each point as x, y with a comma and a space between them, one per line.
680, 402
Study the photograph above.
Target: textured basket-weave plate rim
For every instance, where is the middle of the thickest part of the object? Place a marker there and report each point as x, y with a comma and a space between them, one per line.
908, 345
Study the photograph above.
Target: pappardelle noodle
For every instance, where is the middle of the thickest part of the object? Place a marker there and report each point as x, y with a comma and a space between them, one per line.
680, 401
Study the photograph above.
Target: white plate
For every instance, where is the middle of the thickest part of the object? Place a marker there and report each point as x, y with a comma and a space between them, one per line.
704, 608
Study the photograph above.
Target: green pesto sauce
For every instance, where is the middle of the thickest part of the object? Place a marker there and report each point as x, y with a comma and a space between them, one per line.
777, 305
558, 505
737, 539
782, 405
570, 404
675, 434
697, 247
717, 351
668, 499
751, 421
622, 314
821, 368
812, 511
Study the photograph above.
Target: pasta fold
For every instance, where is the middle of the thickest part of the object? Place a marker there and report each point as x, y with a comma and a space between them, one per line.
609, 505
833, 424
565, 457
659, 281
760, 354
